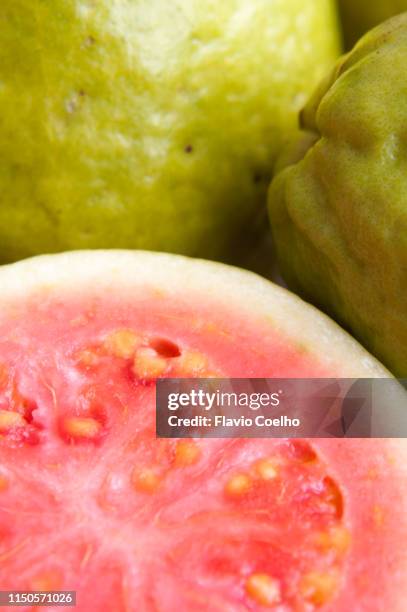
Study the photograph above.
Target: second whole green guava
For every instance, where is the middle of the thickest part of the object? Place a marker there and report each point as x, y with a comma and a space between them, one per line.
148, 124
339, 207
359, 16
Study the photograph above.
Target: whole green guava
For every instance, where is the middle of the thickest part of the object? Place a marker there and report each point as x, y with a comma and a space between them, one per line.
339, 211
359, 16
148, 123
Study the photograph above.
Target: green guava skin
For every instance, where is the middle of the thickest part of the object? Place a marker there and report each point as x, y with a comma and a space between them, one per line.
339, 208
359, 16
149, 124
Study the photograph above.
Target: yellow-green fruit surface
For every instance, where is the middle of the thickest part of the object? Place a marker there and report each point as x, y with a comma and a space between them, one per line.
339, 211
359, 16
148, 123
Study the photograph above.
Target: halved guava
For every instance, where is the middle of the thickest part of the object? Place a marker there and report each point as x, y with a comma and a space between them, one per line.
92, 501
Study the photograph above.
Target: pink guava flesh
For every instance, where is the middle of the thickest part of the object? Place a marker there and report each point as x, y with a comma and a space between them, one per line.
91, 501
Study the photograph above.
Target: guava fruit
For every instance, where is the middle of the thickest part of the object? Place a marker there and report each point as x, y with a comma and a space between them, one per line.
359, 16
339, 215
92, 501
149, 124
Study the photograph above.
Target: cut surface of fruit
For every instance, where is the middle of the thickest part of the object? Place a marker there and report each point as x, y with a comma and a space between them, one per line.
91, 501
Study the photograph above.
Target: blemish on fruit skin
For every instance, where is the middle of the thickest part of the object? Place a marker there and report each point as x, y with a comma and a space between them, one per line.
148, 365
122, 343
70, 106
10, 419
89, 41
74, 102
146, 480
237, 485
187, 452
81, 427
319, 587
264, 589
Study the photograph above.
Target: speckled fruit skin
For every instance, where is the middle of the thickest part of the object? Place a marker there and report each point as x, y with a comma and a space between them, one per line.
359, 16
339, 214
146, 123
